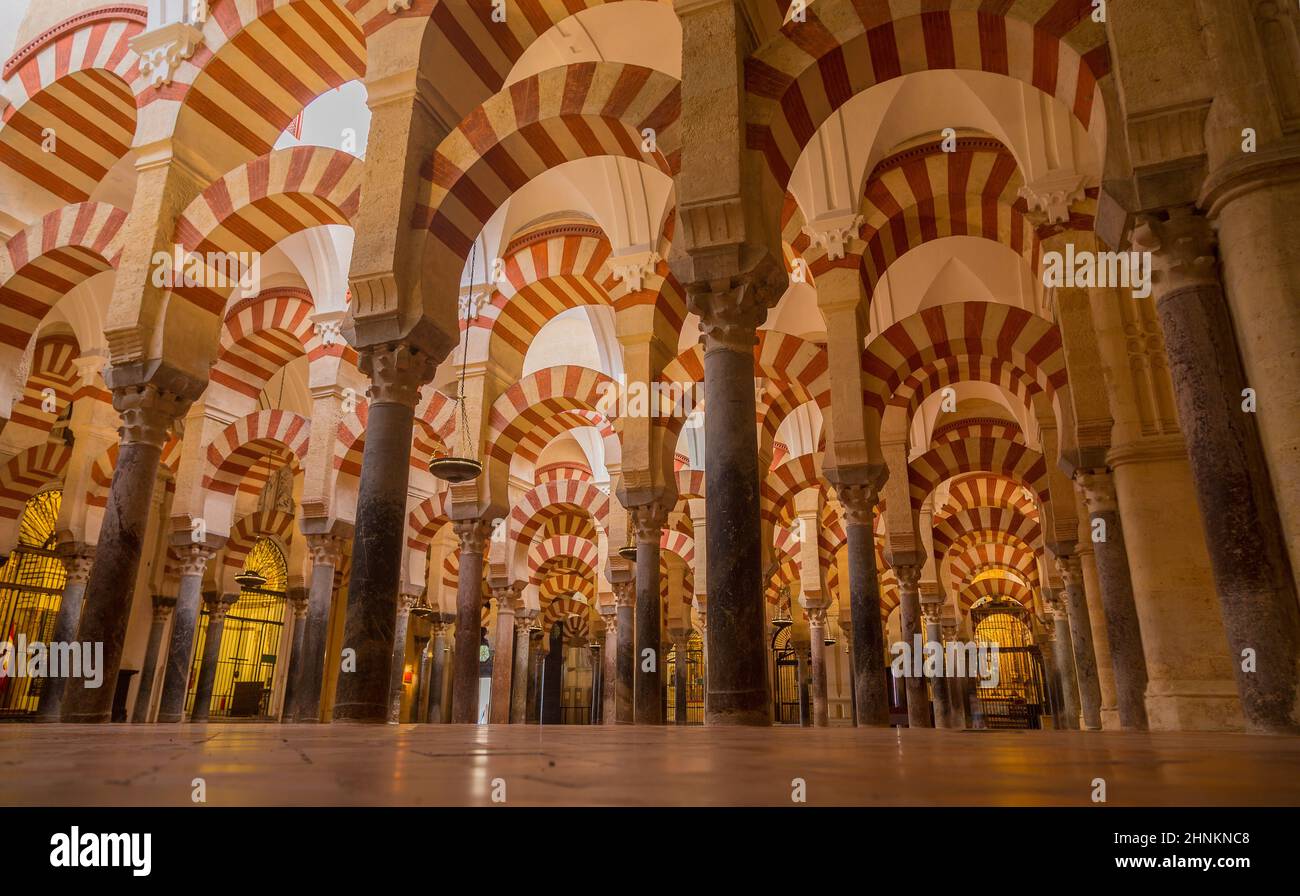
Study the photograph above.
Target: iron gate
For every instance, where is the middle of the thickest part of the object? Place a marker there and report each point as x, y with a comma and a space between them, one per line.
785, 678
1020, 699
31, 590
694, 681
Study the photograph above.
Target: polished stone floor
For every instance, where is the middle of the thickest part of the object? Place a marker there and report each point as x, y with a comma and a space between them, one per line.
245, 764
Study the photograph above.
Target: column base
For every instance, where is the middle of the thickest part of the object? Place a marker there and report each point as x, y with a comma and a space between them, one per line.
1194, 706
1110, 720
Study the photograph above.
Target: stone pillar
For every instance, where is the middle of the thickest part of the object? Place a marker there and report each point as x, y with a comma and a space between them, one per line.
185, 623
421, 711
609, 659
504, 663
162, 611
1100, 641
1123, 632
553, 676
738, 687
148, 410
396, 373
1063, 655
469, 620
405, 604
647, 701
1085, 659
420, 640
817, 647
871, 700
218, 606
519, 678
909, 617
299, 602
537, 657
625, 602
1248, 555
681, 683
931, 615
434, 712
326, 555
77, 559
957, 703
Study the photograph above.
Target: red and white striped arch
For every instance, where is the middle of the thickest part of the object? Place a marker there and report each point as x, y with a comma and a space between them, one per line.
40, 265
975, 525
798, 80
782, 483
73, 81
981, 427
920, 354
563, 582
260, 64
973, 453
274, 524
425, 520
101, 471
571, 552
545, 404
430, 435
538, 506
681, 544
577, 111
238, 450
976, 490
971, 559
51, 368
996, 587
27, 472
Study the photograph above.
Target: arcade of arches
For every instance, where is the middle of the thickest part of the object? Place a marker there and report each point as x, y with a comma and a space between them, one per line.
750, 316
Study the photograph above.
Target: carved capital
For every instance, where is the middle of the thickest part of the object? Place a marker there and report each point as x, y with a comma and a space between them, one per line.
1098, 490
162, 607
194, 558
473, 534
149, 411
1071, 570
1182, 251
648, 521
909, 576
299, 599
406, 603
524, 617
625, 593
162, 50
218, 605
859, 503
834, 238
397, 371
731, 312
326, 550
507, 598
77, 560
1051, 195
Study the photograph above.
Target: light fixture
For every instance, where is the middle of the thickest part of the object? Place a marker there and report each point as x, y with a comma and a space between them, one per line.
628, 551
782, 617
828, 641
250, 580
461, 468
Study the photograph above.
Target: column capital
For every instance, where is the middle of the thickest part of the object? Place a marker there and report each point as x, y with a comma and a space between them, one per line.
77, 559
1098, 490
149, 411
625, 593
219, 604
299, 599
858, 491
1071, 570
731, 311
816, 613
406, 603
833, 239
473, 534
1182, 251
909, 576
397, 370
648, 520
326, 549
162, 607
524, 617
507, 597
194, 557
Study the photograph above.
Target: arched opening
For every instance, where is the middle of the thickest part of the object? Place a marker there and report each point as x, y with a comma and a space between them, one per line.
1020, 697
694, 658
251, 643
31, 590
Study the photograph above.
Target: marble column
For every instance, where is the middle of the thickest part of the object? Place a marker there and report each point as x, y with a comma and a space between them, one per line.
77, 560
162, 611
194, 560
817, 648
405, 604
473, 536
681, 676
738, 686
609, 659
218, 606
1248, 555
519, 678
870, 697
909, 617
1123, 632
1100, 641
931, 615
326, 554
396, 373
1063, 657
420, 642
537, 658
426, 680
625, 602
647, 699
958, 713
503, 664
298, 602
434, 712
1085, 659
553, 676
148, 410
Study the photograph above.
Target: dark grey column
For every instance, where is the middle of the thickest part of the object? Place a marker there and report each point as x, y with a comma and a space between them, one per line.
217, 609
396, 373
1243, 533
870, 697
537, 659
648, 520
405, 603
77, 559
909, 615
681, 678
957, 702
609, 663
1085, 657
1123, 631
162, 611
185, 624
738, 686
817, 647
1063, 655
625, 602
469, 620
519, 677
802, 654
939, 693
418, 698
148, 411
298, 602
326, 554
435, 712
553, 676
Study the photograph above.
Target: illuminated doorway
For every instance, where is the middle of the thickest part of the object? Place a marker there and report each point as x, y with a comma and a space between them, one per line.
31, 590
250, 644
1020, 699
694, 680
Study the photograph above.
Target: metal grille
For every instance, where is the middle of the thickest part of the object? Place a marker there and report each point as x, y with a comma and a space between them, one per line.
1020, 699
694, 680
31, 590
250, 643
785, 678
575, 698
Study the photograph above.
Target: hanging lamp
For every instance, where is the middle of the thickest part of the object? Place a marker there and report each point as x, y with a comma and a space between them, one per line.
250, 580
462, 467
628, 551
